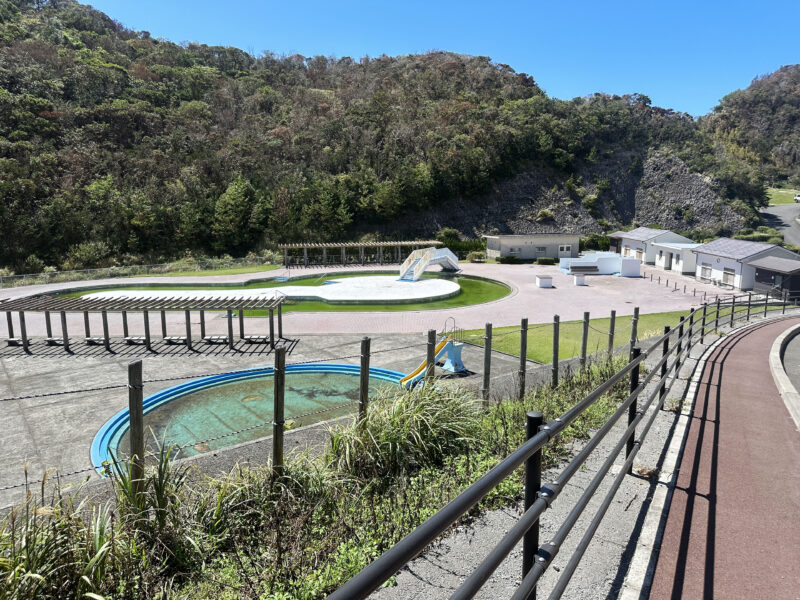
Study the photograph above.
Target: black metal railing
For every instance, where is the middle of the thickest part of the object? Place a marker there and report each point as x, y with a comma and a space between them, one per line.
673, 348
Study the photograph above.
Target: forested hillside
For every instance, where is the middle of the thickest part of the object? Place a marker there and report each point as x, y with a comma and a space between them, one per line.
117, 147
761, 124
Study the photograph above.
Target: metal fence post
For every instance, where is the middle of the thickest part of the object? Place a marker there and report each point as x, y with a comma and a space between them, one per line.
749, 304
584, 339
691, 333
136, 424
611, 326
634, 327
662, 394
363, 388
703, 328
716, 316
533, 484
430, 356
766, 304
733, 308
635, 352
680, 347
523, 356
279, 377
487, 363
556, 319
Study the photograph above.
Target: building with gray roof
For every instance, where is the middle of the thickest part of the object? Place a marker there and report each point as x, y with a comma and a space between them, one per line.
728, 262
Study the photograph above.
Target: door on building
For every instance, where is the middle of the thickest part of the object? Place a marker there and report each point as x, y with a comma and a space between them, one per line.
668, 261
565, 251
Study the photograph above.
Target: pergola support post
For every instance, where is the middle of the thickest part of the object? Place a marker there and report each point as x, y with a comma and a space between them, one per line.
10, 322
271, 328
163, 324
280, 321
147, 343
125, 324
230, 329
241, 324
86, 327
64, 332
202, 324
48, 325
106, 340
188, 315
23, 331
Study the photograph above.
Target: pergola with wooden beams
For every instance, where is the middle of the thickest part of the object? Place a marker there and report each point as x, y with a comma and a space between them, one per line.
382, 250
124, 305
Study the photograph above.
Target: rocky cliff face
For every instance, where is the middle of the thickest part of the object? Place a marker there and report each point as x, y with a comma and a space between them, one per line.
623, 188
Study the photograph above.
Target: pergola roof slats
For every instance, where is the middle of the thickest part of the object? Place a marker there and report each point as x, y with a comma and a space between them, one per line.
403, 244
57, 304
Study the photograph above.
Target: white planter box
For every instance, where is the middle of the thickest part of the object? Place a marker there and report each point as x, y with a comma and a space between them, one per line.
544, 281
579, 279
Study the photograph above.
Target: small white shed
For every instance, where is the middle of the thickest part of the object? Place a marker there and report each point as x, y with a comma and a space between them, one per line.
639, 242
676, 256
726, 261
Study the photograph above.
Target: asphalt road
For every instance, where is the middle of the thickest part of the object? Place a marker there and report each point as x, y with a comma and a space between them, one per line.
783, 218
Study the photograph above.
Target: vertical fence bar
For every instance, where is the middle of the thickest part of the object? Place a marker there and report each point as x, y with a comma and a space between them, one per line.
188, 316
523, 356
136, 416
785, 299
23, 331
363, 387
147, 342
556, 320
584, 339
662, 394
749, 304
611, 326
691, 333
634, 329
703, 327
271, 328
230, 329
680, 347
716, 317
64, 332
487, 363
766, 304
533, 484
635, 352
430, 356
279, 377
106, 340
733, 308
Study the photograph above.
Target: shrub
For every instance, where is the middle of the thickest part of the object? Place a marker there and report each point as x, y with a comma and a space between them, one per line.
545, 260
545, 215
508, 260
476, 257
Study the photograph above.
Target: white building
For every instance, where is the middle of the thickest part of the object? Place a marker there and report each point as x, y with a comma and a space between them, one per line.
533, 246
638, 243
676, 256
726, 261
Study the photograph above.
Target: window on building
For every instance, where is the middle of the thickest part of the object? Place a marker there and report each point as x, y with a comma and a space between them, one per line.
705, 271
567, 248
541, 248
728, 276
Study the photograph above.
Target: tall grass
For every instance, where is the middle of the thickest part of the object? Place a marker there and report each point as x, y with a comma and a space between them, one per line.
251, 534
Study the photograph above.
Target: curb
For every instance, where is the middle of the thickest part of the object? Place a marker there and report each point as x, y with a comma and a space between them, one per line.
790, 395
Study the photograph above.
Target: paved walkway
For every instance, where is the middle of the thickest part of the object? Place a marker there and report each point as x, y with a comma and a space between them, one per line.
601, 295
733, 528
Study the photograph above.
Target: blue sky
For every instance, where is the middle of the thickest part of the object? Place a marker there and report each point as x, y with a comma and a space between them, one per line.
684, 55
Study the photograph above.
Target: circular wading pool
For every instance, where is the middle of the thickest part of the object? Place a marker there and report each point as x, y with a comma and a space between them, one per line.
224, 410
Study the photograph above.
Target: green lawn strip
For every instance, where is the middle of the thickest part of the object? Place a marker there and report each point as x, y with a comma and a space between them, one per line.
781, 196
473, 291
540, 336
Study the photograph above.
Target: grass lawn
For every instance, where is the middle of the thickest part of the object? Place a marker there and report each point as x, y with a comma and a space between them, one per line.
231, 271
781, 196
473, 291
540, 337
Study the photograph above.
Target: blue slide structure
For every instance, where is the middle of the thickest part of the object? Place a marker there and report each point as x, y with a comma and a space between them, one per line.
445, 348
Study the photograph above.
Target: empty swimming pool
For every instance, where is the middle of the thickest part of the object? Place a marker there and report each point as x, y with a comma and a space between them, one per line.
216, 412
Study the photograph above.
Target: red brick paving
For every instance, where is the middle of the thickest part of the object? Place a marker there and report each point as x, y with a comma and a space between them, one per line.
733, 528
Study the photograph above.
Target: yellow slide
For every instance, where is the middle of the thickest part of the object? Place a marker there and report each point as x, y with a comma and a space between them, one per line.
410, 379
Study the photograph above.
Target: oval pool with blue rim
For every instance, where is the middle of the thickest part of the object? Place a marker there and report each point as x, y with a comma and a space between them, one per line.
219, 411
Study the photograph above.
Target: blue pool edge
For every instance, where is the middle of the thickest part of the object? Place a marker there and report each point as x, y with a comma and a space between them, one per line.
112, 430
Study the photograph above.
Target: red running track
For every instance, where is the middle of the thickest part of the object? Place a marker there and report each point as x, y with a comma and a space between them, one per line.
733, 527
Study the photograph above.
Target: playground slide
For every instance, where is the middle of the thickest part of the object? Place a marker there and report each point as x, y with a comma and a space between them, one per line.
409, 380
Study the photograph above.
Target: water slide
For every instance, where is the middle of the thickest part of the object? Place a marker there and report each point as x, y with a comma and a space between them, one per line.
453, 363
419, 260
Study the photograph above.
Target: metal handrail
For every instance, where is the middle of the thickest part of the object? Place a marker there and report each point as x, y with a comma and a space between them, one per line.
682, 338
